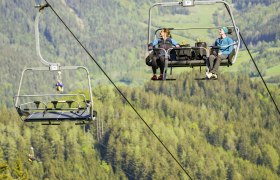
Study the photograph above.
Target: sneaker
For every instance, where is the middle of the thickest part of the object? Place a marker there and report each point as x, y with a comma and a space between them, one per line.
214, 76
160, 77
154, 77
208, 75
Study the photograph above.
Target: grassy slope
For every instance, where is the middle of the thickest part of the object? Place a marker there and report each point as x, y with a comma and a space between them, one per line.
273, 71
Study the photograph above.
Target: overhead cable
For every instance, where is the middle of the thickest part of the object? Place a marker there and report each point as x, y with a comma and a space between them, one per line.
161, 142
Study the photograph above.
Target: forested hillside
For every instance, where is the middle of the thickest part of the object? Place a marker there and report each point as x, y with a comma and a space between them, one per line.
264, 26
224, 129
233, 134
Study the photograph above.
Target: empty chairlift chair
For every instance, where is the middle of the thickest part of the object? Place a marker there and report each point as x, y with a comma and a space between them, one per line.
55, 107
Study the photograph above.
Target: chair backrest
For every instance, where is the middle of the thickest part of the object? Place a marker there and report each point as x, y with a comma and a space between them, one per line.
232, 54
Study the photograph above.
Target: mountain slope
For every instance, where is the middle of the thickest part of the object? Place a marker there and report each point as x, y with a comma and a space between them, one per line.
225, 129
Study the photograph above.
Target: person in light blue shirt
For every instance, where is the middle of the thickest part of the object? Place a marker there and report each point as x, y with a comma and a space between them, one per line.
157, 59
226, 46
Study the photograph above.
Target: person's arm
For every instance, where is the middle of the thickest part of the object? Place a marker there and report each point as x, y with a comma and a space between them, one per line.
231, 42
155, 42
174, 42
152, 44
216, 42
228, 46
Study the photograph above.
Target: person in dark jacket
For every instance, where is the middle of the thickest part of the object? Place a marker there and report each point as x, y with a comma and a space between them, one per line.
157, 59
226, 46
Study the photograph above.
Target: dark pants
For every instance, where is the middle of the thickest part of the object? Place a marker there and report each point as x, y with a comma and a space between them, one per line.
215, 61
157, 61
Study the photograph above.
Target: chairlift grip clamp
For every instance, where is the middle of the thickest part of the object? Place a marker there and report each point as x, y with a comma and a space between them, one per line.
41, 7
187, 3
54, 67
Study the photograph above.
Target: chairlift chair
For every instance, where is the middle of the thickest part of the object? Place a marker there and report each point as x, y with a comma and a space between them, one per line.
193, 56
54, 108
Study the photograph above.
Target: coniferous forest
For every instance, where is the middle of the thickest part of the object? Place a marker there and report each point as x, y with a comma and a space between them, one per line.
223, 129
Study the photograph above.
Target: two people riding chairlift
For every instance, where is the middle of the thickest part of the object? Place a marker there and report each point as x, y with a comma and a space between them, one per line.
225, 45
157, 58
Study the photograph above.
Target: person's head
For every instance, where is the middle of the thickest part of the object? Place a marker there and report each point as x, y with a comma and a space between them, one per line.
165, 32
223, 31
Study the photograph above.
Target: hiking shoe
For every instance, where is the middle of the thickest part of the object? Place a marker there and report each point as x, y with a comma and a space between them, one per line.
208, 75
214, 76
154, 77
160, 77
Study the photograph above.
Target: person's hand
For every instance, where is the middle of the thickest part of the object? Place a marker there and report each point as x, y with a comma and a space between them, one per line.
214, 53
150, 46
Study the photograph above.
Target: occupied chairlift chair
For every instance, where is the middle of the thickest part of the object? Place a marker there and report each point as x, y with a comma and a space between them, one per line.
61, 107
187, 56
